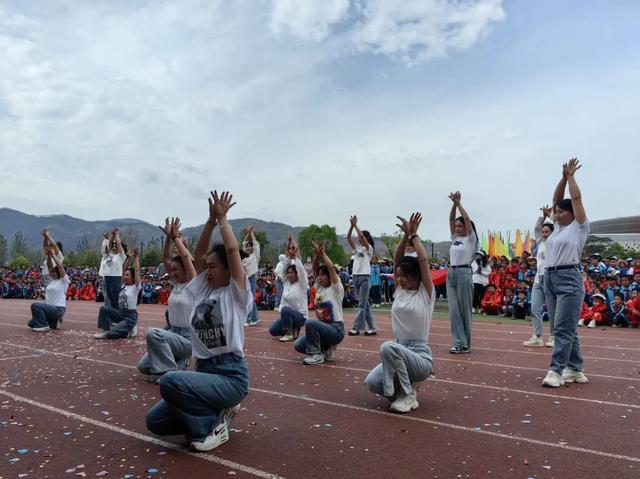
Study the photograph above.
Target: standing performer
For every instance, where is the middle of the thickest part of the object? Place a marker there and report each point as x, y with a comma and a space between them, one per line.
48, 315
542, 231
202, 404
293, 308
122, 322
169, 349
480, 272
407, 360
111, 268
361, 277
323, 334
251, 261
563, 285
459, 279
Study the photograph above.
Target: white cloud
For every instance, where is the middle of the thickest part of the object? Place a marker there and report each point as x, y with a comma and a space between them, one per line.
309, 20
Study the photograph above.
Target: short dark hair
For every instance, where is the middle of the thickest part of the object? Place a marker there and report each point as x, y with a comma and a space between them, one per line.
410, 266
619, 295
565, 204
221, 253
323, 269
292, 267
178, 259
548, 225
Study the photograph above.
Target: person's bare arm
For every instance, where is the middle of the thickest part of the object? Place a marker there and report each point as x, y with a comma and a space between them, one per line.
136, 267
176, 236
350, 237
452, 213
166, 248
410, 228
204, 240
221, 205
558, 193
361, 236
574, 191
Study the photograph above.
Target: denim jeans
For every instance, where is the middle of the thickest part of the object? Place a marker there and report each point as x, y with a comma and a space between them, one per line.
319, 336
167, 350
362, 284
564, 294
192, 401
537, 308
289, 320
460, 294
115, 323
403, 363
43, 315
253, 314
112, 286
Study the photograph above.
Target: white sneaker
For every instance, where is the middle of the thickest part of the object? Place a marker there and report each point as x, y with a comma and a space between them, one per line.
550, 342
218, 437
571, 376
59, 326
330, 353
100, 335
534, 341
286, 338
228, 415
592, 324
404, 403
134, 332
41, 329
581, 322
552, 379
314, 359
253, 323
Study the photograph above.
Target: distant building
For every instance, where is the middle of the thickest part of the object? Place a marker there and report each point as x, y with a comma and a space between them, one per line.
624, 225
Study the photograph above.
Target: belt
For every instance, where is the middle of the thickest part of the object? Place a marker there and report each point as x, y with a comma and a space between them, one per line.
561, 267
460, 266
220, 359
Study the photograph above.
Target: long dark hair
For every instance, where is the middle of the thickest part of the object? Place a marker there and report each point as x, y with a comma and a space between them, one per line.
473, 225
484, 260
369, 238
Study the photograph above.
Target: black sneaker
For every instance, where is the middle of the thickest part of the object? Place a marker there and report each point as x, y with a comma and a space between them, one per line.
456, 350
465, 350
354, 332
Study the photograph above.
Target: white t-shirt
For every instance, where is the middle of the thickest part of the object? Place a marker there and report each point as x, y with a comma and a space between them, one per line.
411, 313
462, 249
565, 243
328, 305
480, 274
362, 259
217, 317
55, 294
250, 263
45, 267
128, 297
541, 253
112, 264
180, 306
294, 295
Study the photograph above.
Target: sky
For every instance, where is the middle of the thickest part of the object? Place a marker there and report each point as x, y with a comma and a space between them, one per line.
310, 111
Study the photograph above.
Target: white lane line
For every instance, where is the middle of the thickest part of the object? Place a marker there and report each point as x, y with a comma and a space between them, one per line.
142, 437
21, 357
513, 351
510, 437
446, 381
471, 385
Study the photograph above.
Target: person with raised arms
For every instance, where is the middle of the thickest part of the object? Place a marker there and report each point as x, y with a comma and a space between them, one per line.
293, 308
56, 250
459, 277
122, 322
169, 349
362, 255
251, 261
112, 267
201, 404
49, 315
323, 334
563, 284
408, 359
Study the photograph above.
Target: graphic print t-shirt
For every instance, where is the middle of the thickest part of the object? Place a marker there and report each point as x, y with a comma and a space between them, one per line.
328, 304
207, 323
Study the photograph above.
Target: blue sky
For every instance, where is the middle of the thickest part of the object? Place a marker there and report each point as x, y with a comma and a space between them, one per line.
312, 111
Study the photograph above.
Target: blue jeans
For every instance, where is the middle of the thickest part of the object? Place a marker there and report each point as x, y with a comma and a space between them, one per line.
537, 308
43, 315
253, 315
112, 286
192, 401
319, 336
564, 294
167, 350
290, 320
460, 295
362, 284
115, 323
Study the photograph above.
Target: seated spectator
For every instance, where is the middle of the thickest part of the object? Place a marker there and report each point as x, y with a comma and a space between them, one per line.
491, 303
507, 302
72, 291
521, 306
596, 314
618, 312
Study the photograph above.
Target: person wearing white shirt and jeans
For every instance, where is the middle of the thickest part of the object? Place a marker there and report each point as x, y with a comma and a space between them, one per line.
362, 255
111, 268
294, 309
48, 315
251, 260
542, 231
201, 404
563, 285
279, 274
56, 250
407, 360
459, 278
480, 271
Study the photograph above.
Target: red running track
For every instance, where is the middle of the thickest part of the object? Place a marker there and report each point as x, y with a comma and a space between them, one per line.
74, 407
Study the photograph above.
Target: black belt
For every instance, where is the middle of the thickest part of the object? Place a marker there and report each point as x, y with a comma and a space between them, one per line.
460, 266
564, 266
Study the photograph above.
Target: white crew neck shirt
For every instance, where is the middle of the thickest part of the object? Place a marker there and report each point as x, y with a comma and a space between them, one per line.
362, 259
294, 295
328, 306
180, 306
565, 244
462, 249
411, 313
55, 294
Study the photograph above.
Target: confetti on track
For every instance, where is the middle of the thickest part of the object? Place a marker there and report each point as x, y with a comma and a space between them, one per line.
74, 407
